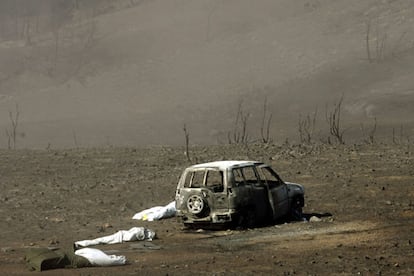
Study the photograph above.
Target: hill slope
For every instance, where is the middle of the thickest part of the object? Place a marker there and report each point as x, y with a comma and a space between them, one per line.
136, 75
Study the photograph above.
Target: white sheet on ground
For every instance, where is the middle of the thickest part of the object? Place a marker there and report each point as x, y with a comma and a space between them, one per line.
99, 258
157, 213
133, 234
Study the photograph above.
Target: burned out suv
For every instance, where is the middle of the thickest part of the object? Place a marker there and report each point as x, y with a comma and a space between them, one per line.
235, 193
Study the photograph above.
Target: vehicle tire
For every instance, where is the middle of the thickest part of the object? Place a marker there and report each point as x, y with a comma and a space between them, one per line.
196, 204
248, 219
251, 219
296, 209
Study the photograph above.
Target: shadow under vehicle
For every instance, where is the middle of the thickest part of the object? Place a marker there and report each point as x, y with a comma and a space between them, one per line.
235, 193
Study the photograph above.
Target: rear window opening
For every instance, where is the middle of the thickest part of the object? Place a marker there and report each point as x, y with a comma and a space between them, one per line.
209, 178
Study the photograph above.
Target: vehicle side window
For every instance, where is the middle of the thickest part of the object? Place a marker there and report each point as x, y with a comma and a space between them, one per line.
269, 176
187, 181
214, 181
250, 175
196, 179
238, 177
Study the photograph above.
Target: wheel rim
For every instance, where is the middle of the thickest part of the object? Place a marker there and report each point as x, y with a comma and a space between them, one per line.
195, 204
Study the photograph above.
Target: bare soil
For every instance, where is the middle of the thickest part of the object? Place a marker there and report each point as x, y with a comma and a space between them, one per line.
363, 195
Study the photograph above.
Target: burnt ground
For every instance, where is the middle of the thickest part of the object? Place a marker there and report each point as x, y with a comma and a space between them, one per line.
52, 198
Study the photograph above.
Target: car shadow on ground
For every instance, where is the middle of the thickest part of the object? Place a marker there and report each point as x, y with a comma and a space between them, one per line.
303, 217
209, 227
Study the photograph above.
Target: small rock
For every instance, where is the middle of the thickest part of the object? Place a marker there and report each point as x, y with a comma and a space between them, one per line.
54, 241
107, 225
315, 219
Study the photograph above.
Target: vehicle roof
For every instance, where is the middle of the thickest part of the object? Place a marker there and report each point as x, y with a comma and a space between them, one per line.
222, 165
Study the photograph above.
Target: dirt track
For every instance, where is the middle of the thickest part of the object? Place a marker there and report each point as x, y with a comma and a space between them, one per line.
52, 198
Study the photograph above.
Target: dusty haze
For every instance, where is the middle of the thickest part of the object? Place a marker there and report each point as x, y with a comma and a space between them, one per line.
93, 73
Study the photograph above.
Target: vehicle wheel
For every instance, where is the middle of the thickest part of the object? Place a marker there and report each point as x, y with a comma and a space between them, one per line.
248, 219
195, 204
296, 209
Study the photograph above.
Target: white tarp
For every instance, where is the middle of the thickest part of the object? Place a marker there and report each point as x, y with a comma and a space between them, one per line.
133, 234
157, 213
99, 258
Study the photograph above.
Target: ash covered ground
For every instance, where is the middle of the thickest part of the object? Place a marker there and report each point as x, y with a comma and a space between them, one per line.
55, 197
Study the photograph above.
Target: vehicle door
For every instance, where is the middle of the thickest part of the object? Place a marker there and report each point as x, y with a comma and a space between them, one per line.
258, 201
278, 190
191, 182
214, 181
202, 192
239, 191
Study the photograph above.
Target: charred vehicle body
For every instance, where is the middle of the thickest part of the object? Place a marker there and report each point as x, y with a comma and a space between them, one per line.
235, 193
